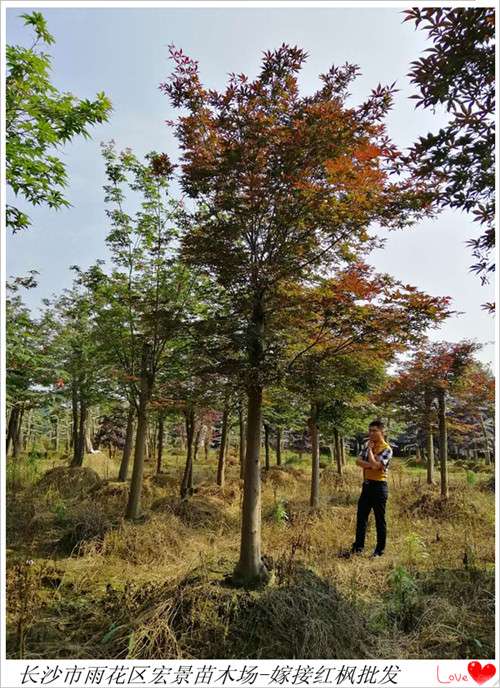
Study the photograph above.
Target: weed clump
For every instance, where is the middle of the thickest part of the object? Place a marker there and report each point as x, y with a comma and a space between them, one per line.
23, 595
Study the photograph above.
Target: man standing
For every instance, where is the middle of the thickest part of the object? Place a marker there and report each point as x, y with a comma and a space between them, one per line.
374, 459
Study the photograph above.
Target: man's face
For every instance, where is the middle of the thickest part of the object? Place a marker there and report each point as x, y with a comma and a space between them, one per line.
374, 434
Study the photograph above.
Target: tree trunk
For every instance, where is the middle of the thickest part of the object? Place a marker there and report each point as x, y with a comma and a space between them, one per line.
27, 434
74, 415
150, 451
190, 473
429, 439
342, 450
161, 437
187, 478
196, 443
12, 427
250, 569
206, 442
221, 464
266, 446
133, 510
79, 443
313, 432
278, 446
153, 437
338, 453
487, 455
17, 440
182, 437
127, 449
56, 434
88, 440
242, 448
443, 442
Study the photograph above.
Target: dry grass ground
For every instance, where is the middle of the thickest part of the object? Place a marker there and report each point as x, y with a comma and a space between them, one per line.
101, 587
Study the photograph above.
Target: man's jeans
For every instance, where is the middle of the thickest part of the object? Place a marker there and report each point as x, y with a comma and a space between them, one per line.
373, 496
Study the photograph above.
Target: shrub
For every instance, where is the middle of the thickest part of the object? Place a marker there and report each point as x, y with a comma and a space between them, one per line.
415, 549
471, 478
279, 512
60, 511
404, 602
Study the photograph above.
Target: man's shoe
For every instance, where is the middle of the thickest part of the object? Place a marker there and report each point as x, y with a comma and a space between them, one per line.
377, 553
356, 550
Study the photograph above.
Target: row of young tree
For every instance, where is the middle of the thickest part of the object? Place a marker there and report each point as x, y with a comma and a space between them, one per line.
157, 334
249, 294
444, 388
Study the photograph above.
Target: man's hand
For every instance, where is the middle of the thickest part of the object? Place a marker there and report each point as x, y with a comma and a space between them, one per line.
372, 461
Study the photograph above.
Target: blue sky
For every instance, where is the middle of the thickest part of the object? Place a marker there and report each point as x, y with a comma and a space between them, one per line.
123, 52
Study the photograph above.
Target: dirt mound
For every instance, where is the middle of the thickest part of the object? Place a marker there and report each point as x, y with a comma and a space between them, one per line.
427, 505
116, 493
156, 542
332, 477
432, 505
203, 617
86, 523
112, 489
229, 493
42, 522
297, 473
197, 511
164, 480
483, 468
488, 485
278, 476
70, 481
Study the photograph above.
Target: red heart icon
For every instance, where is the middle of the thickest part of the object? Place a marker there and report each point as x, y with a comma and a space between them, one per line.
481, 674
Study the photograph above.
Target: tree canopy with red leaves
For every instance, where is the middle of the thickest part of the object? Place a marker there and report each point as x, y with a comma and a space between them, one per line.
285, 185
